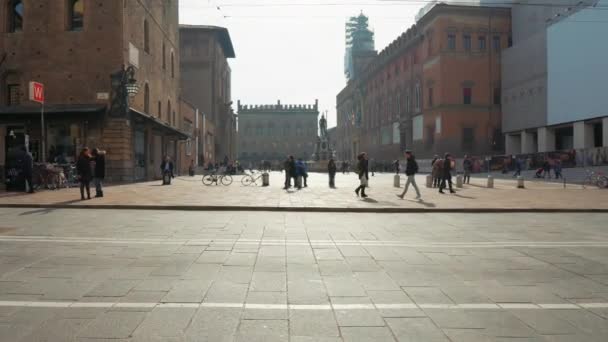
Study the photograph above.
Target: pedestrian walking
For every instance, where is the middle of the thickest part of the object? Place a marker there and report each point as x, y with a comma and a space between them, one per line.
446, 173
411, 168
518, 167
287, 175
363, 174
166, 168
372, 166
344, 167
300, 172
546, 169
436, 166
291, 171
557, 169
83, 168
331, 170
28, 170
100, 171
396, 166
467, 166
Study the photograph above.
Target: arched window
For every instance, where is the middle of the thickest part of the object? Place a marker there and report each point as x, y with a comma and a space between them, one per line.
164, 57
146, 37
146, 99
76, 15
168, 109
15, 11
172, 65
160, 110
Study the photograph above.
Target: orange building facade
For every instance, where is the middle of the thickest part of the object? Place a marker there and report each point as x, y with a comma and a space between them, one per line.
435, 89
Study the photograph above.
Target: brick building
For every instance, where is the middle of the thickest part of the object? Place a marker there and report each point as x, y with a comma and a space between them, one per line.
272, 132
73, 47
206, 83
435, 89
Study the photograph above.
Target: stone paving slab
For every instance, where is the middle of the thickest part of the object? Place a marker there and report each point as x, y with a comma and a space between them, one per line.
188, 193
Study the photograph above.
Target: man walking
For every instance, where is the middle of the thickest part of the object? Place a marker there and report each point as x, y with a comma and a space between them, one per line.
396, 166
467, 165
446, 173
411, 168
517, 167
100, 171
287, 175
28, 170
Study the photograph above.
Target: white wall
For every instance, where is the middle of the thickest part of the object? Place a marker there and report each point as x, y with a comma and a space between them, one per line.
578, 66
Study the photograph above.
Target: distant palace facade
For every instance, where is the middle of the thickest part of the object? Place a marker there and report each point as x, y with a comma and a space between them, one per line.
272, 132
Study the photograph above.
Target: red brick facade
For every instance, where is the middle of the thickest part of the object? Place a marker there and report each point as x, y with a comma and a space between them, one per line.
412, 95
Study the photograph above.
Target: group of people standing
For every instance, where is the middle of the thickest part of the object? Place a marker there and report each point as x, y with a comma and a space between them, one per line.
296, 170
91, 166
442, 172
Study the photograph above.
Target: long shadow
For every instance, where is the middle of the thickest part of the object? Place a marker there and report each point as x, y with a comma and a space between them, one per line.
370, 200
48, 210
424, 203
463, 196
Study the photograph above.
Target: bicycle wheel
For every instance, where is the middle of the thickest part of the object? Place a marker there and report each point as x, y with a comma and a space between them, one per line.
208, 179
602, 182
247, 180
227, 180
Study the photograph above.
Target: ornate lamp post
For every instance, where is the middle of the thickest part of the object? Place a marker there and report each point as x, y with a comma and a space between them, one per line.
124, 86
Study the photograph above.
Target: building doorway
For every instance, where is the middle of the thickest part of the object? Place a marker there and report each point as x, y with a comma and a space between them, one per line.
564, 138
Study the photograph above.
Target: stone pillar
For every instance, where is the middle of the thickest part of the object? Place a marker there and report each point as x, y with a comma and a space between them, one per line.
583, 135
546, 139
527, 142
605, 132
118, 139
512, 144
2, 157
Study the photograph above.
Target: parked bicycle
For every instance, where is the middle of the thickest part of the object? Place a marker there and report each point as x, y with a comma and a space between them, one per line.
596, 178
217, 179
251, 178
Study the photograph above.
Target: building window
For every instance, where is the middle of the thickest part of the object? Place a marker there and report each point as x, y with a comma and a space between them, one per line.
168, 110
497, 96
147, 99
172, 65
438, 125
496, 43
481, 40
417, 98
174, 119
467, 94
417, 128
160, 110
510, 41
188, 147
451, 41
468, 138
164, 57
430, 97
76, 15
467, 42
13, 94
15, 21
146, 37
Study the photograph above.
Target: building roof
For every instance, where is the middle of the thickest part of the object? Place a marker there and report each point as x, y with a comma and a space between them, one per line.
223, 35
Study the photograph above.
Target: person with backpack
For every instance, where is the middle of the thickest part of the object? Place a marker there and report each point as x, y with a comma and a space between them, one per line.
411, 168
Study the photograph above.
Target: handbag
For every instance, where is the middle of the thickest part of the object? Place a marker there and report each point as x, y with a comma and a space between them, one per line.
363, 180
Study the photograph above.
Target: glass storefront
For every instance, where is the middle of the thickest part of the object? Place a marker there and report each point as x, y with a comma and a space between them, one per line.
64, 140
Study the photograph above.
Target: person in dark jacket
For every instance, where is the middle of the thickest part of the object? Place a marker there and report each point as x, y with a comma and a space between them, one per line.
411, 168
166, 168
467, 166
436, 171
396, 166
362, 173
287, 175
291, 170
331, 170
28, 169
83, 168
446, 173
100, 171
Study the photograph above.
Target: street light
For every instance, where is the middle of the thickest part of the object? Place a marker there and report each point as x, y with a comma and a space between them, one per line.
124, 87
131, 82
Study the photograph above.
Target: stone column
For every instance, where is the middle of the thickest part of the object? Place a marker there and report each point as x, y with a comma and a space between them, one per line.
583, 135
513, 144
546, 139
527, 142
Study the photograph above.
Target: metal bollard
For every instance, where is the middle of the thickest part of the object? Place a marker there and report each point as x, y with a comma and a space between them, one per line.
265, 179
459, 181
520, 182
429, 181
490, 182
396, 181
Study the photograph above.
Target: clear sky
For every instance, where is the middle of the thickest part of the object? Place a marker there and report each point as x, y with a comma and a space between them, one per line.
293, 50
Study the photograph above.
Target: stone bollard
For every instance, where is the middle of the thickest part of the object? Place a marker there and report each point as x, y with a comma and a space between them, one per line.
459, 181
397, 181
490, 182
520, 182
265, 179
429, 181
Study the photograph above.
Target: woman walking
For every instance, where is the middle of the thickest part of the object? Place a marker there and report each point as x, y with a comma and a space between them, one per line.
362, 170
83, 167
331, 170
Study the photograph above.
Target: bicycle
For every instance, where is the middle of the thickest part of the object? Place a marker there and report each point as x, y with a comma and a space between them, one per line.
595, 178
217, 179
249, 178
45, 177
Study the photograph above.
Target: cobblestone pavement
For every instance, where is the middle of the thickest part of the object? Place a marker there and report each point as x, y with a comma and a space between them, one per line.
190, 191
121, 275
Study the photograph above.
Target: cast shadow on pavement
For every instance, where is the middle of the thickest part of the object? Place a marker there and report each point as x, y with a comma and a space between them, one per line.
370, 200
48, 210
463, 196
423, 202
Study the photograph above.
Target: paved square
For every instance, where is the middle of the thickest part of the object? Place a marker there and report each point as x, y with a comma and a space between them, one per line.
124, 275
